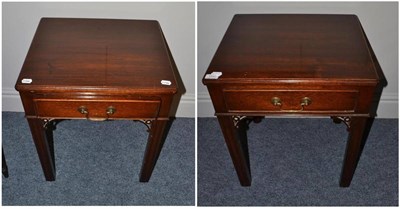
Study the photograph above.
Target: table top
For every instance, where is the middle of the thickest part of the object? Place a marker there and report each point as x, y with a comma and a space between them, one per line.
96, 55
293, 48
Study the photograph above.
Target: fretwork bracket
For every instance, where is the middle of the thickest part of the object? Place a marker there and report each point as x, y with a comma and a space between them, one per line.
346, 120
49, 123
236, 119
147, 123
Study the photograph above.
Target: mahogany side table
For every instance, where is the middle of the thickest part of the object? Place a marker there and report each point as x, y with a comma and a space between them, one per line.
97, 69
305, 65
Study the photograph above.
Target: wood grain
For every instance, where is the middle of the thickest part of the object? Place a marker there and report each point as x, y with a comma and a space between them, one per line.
97, 54
324, 58
97, 69
295, 48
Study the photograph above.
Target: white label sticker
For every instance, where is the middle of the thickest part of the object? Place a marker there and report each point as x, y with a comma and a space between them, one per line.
213, 75
27, 80
218, 74
166, 82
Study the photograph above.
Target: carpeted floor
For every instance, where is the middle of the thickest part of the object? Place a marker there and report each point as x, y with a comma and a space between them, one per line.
297, 162
98, 163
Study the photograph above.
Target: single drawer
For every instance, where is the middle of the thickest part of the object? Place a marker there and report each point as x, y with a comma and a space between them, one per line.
96, 109
289, 101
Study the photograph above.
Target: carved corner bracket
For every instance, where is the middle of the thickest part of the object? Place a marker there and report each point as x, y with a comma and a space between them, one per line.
236, 119
49, 123
147, 123
346, 120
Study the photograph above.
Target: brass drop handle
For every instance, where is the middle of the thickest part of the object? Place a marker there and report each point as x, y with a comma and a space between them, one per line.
276, 101
83, 110
109, 111
305, 101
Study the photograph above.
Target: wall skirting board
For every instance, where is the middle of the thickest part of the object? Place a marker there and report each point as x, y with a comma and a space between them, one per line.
388, 106
12, 103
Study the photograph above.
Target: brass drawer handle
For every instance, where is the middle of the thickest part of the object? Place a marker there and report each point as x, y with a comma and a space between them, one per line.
110, 110
305, 101
276, 101
84, 111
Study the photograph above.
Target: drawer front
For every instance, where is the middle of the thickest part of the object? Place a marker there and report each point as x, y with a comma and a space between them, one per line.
288, 101
96, 109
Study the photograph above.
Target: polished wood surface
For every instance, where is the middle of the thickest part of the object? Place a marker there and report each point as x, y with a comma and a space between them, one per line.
295, 48
97, 55
305, 65
128, 109
237, 100
97, 69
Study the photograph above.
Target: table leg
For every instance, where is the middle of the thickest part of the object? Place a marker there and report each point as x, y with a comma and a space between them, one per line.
236, 141
4, 164
154, 145
353, 150
43, 139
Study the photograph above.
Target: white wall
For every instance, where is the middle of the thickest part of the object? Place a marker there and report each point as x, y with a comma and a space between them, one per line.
379, 20
21, 19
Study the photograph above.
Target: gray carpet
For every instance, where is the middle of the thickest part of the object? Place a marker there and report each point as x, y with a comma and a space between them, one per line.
298, 162
98, 163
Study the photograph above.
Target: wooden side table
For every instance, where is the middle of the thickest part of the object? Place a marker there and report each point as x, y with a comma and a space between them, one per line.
273, 64
97, 69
